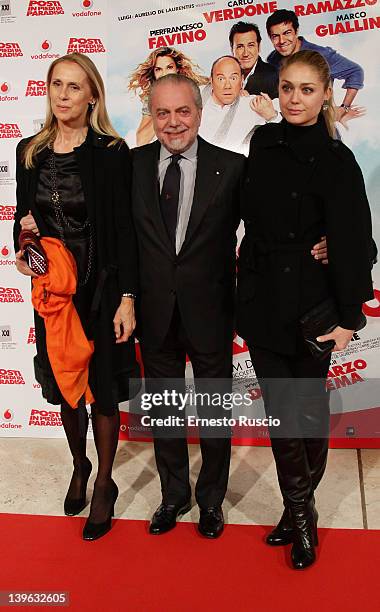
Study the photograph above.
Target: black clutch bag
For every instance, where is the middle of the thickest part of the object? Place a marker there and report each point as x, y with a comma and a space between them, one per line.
322, 320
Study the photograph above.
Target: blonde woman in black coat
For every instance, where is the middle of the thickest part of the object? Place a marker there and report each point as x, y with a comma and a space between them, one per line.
78, 154
301, 184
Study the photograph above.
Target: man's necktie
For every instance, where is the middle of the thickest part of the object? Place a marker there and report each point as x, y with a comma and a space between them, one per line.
170, 196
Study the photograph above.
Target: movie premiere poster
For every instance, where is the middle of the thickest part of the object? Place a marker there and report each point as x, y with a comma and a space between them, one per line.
121, 36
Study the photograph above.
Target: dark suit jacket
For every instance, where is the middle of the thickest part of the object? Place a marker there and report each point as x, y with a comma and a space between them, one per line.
264, 79
201, 278
301, 184
106, 175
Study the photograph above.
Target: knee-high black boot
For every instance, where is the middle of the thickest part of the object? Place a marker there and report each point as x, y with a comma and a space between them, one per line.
75, 424
106, 435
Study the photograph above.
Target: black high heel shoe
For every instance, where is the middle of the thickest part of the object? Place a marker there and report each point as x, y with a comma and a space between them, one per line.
94, 531
71, 505
305, 536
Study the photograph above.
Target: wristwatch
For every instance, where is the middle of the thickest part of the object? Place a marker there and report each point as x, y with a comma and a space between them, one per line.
346, 107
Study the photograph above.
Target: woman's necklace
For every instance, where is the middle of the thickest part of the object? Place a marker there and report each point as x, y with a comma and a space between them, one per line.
62, 219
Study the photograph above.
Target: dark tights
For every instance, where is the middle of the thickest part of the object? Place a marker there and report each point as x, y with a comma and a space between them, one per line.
106, 434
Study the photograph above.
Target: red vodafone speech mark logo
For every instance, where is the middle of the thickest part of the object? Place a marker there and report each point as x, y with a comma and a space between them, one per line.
86, 4
46, 45
8, 415
5, 87
5, 251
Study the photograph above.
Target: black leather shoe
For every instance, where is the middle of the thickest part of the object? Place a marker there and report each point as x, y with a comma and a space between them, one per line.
71, 505
211, 522
165, 517
283, 533
305, 537
94, 531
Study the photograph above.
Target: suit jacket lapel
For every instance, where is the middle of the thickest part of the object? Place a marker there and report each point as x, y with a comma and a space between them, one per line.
207, 179
147, 177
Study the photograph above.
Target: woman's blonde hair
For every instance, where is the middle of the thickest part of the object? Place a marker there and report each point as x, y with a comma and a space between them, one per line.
143, 76
97, 117
315, 60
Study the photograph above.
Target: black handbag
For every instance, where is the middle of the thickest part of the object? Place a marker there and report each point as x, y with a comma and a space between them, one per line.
322, 320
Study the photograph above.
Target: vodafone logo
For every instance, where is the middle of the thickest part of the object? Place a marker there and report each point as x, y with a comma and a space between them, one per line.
32, 336
5, 89
10, 294
38, 8
10, 49
8, 415
5, 251
7, 418
35, 88
11, 377
85, 45
10, 130
44, 48
6, 212
86, 5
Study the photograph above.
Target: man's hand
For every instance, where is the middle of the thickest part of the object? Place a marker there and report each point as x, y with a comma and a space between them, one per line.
263, 106
28, 223
124, 321
353, 113
23, 267
340, 336
319, 250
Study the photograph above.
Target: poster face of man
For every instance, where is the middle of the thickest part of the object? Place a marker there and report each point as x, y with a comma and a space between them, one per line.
226, 81
246, 49
284, 39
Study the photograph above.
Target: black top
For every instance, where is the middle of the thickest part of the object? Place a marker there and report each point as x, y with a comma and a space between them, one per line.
72, 202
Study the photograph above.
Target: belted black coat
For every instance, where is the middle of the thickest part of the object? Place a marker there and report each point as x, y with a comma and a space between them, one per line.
300, 185
105, 173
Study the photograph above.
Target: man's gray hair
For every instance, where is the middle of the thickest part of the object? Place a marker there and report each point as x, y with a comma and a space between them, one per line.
176, 79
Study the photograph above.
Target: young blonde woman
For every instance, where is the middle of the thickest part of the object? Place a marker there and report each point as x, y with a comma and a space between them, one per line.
73, 184
301, 184
160, 62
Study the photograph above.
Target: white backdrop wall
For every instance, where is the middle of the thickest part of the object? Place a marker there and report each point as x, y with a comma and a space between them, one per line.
118, 35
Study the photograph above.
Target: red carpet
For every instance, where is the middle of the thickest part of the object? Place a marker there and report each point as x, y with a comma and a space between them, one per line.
182, 572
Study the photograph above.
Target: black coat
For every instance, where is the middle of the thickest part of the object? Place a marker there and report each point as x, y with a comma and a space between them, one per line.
201, 278
105, 175
264, 79
300, 185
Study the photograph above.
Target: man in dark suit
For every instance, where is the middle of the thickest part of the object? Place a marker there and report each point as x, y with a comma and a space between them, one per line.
186, 212
259, 77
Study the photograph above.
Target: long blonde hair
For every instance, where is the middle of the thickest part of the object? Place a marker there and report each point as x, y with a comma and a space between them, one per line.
97, 118
142, 78
315, 60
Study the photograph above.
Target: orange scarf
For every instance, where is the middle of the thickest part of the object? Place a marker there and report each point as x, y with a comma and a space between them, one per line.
68, 348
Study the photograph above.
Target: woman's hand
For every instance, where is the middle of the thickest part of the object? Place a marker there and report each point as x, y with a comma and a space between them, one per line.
23, 267
28, 223
319, 250
263, 106
244, 93
124, 321
340, 336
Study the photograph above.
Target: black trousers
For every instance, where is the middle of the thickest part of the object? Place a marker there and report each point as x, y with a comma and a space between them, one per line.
212, 372
294, 391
